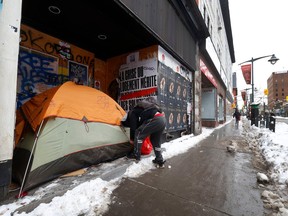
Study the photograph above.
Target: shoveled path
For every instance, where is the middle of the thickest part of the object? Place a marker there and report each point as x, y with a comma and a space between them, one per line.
206, 180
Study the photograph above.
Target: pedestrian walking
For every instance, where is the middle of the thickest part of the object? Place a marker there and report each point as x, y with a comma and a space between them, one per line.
146, 119
237, 116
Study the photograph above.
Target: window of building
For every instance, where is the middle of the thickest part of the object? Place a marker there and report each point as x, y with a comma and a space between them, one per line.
282, 94
276, 94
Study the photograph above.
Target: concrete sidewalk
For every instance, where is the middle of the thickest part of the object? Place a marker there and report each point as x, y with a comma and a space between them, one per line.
206, 180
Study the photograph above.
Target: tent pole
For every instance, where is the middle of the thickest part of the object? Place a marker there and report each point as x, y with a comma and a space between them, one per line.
34, 144
124, 131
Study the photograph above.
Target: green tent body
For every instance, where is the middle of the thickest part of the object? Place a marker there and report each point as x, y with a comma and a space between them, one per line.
61, 144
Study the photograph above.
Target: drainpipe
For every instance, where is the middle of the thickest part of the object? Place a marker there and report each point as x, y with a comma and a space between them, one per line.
10, 19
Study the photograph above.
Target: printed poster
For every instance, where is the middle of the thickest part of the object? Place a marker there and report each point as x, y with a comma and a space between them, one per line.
137, 81
172, 96
78, 72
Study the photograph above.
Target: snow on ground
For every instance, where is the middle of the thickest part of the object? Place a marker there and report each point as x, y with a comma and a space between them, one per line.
93, 197
273, 147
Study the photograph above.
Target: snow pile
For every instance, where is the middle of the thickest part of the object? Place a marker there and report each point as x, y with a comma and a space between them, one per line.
273, 148
86, 203
272, 201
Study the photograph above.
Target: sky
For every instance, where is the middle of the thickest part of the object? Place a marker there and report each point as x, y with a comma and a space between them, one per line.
259, 28
94, 195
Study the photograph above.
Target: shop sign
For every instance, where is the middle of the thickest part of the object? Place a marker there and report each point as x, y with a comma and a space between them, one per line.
204, 69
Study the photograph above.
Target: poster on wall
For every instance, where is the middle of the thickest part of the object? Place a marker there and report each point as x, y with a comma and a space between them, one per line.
78, 72
162, 85
172, 97
175, 93
168, 82
137, 81
37, 72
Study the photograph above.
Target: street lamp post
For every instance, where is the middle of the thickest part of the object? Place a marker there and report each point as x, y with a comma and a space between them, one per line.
272, 60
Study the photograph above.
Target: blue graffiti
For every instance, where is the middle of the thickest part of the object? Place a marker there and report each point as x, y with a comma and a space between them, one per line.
34, 69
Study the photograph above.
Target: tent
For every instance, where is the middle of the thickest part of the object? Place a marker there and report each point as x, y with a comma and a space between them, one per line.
63, 129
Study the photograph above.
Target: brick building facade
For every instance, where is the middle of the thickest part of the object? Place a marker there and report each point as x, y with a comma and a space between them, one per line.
277, 88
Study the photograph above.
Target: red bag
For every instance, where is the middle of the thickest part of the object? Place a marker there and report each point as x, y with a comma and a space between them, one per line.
146, 146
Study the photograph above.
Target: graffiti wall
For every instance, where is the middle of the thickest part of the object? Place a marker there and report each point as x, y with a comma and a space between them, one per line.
45, 61
37, 72
39, 41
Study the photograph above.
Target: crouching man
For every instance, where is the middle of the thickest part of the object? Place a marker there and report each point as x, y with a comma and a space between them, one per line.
146, 119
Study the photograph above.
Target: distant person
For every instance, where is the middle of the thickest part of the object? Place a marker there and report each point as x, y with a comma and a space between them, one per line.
146, 119
237, 117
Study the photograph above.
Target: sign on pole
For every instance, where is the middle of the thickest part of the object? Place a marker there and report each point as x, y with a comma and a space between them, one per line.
246, 70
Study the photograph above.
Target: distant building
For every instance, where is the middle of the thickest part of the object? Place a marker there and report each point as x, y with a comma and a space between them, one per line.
277, 88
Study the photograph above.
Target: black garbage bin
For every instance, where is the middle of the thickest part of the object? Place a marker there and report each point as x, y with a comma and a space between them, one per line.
272, 122
267, 120
254, 114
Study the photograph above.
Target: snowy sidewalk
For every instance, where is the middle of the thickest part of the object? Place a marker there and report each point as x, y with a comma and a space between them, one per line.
206, 180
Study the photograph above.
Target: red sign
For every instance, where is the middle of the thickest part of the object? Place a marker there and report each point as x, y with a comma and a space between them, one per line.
246, 70
207, 73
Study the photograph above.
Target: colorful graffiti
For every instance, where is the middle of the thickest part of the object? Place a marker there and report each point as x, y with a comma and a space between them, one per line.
44, 62
62, 49
37, 72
